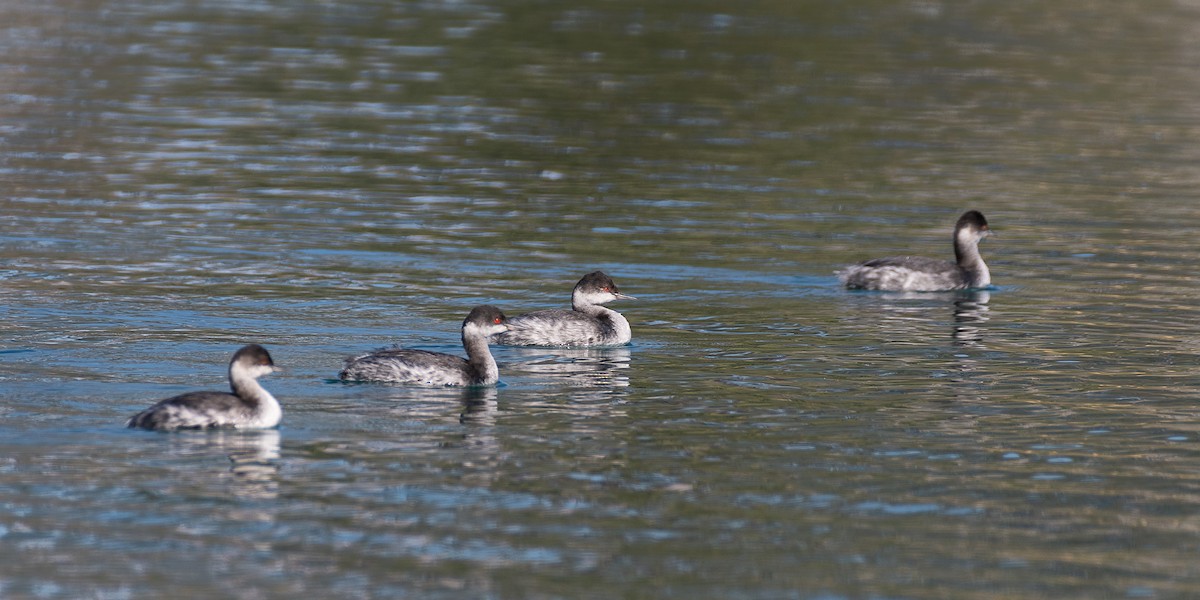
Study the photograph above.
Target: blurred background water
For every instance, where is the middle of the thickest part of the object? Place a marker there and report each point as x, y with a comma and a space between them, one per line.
181, 178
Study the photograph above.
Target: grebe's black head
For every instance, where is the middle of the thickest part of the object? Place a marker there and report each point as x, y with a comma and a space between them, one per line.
598, 288
973, 220
968, 232
253, 359
486, 320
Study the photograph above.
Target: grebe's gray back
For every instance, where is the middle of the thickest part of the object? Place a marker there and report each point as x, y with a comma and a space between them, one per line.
919, 274
400, 365
587, 324
248, 407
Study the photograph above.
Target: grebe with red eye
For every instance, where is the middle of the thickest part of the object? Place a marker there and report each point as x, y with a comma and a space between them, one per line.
587, 324
397, 365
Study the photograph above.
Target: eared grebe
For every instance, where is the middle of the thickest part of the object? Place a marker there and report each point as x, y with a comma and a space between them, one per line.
588, 324
248, 407
917, 274
434, 368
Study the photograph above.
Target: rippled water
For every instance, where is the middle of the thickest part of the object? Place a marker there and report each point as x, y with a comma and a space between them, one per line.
182, 178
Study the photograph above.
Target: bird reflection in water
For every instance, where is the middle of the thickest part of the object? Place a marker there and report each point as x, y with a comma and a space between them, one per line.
970, 313
479, 406
253, 456
596, 373
254, 462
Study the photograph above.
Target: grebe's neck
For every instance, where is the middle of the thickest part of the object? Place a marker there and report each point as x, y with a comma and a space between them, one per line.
265, 409
479, 357
966, 251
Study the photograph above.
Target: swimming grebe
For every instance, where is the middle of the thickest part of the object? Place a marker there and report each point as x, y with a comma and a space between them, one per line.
248, 407
588, 324
917, 274
435, 368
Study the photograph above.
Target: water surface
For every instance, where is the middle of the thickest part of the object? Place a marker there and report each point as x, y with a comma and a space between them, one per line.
181, 179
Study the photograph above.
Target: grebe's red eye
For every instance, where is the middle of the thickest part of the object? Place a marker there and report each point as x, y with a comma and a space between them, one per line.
497, 320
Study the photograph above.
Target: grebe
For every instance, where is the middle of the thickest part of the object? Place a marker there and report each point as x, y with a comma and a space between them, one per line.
918, 274
248, 407
435, 368
588, 324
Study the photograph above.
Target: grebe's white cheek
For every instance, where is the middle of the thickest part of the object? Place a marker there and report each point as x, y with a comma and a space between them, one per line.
494, 328
598, 297
259, 370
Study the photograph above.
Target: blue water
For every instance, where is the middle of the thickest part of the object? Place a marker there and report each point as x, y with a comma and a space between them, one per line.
182, 179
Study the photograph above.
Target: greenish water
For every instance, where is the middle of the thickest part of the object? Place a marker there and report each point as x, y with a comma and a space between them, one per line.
183, 178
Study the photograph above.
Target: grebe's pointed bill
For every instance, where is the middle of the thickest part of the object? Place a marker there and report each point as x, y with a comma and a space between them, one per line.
621, 296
